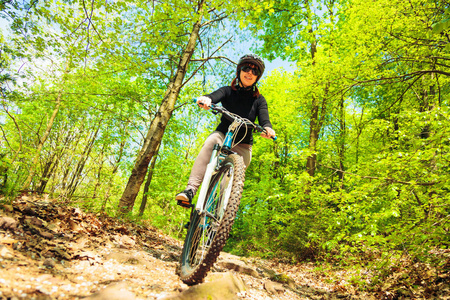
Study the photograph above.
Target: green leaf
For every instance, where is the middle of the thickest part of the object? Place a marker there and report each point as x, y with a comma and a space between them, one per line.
441, 26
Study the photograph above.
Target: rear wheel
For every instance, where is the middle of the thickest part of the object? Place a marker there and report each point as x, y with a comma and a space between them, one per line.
208, 233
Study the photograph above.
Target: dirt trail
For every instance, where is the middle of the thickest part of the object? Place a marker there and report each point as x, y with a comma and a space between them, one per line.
51, 251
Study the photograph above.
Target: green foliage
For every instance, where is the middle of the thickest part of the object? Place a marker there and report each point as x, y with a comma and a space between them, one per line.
368, 100
443, 24
102, 69
380, 191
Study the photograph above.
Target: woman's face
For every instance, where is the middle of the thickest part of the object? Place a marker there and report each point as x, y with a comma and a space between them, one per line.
247, 78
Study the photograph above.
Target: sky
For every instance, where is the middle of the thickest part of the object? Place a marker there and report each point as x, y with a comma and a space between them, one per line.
279, 63
247, 46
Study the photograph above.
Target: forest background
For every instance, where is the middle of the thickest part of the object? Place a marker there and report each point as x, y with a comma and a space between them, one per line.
96, 110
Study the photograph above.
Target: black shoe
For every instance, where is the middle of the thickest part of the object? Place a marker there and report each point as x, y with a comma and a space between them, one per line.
185, 198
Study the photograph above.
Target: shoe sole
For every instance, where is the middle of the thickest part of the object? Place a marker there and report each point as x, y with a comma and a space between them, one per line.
183, 201
182, 198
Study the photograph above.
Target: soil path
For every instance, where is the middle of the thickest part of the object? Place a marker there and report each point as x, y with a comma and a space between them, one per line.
52, 251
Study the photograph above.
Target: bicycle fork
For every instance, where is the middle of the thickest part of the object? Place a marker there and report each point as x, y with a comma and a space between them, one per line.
216, 158
213, 163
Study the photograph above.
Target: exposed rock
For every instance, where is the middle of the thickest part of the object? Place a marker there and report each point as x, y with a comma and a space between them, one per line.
267, 272
238, 266
224, 286
273, 287
284, 279
113, 292
124, 242
5, 252
7, 207
46, 235
7, 223
131, 257
49, 263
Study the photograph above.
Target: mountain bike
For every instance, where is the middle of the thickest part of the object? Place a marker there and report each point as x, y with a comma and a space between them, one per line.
220, 194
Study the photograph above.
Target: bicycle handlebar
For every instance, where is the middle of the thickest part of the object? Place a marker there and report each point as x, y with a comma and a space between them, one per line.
220, 109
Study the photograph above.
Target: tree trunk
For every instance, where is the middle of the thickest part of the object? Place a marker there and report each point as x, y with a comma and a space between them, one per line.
318, 104
147, 183
99, 173
427, 104
311, 160
49, 168
341, 145
314, 128
32, 170
50, 122
111, 178
159, 122
66, 169
87, 150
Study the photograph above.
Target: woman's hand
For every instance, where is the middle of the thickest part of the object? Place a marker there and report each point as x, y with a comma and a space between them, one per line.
204, 102
270, 133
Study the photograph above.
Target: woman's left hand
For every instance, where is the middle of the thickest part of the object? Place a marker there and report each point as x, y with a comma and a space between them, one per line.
270, 133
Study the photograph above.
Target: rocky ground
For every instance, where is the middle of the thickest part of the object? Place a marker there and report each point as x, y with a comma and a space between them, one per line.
51, 251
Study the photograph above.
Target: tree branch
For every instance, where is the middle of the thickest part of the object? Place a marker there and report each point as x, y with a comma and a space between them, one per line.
214, 57
204, 61
220, 18
18, 130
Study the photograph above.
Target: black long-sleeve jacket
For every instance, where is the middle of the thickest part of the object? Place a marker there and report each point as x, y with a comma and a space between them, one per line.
244, 104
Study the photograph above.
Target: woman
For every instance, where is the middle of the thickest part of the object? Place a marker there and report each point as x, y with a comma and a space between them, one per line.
242, 98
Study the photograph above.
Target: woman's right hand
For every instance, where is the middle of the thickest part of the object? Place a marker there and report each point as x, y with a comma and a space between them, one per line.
204, 102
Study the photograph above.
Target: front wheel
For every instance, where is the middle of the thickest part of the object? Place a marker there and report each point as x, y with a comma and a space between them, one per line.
207, 233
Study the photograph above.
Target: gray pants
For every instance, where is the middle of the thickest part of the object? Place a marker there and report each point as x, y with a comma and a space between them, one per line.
202, 160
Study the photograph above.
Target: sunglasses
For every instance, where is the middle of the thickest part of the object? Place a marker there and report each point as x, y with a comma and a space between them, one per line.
247, 69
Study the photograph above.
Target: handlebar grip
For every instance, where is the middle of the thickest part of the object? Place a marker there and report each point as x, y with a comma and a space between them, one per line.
211, 106
261, 129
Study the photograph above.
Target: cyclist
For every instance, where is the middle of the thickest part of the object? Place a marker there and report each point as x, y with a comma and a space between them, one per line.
242, 97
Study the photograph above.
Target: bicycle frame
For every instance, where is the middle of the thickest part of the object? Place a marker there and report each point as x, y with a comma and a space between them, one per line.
220, 152
217, 156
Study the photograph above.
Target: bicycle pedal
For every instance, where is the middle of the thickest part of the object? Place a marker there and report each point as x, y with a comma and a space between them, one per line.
184, 204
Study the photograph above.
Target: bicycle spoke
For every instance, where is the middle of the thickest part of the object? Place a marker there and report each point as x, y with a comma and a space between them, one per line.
202, 244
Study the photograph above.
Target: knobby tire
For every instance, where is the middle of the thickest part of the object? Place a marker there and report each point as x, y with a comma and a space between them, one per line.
206, 238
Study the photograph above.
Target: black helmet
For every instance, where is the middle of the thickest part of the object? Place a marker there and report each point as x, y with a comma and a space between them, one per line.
253, 59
